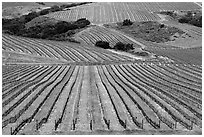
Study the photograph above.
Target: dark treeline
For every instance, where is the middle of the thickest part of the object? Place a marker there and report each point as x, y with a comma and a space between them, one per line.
118, 46
59, 31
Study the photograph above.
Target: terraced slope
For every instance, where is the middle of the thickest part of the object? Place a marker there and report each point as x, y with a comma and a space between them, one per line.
99, 13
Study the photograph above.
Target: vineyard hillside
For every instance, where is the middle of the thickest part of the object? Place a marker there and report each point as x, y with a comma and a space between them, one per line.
107, 68
100, 13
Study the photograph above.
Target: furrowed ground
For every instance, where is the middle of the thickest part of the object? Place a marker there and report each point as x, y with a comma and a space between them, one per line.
108, 12
60, 87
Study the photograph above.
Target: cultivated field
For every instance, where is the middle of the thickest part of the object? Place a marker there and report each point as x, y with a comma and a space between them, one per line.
61, 87
99, 13
108, 97
96, 33
61, 51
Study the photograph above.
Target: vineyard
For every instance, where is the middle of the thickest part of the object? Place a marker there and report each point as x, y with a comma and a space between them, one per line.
60, 87
109, 97
63, 51
99, 13
96, 33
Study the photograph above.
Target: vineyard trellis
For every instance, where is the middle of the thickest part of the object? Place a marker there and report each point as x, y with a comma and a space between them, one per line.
60, 50
132, 96
99, 13
99, 33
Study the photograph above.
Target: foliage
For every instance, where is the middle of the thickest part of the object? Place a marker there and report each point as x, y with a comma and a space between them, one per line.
81, 23
127, 22
73, 4
192, 19
142, 54
170, 13
103, 44
59, 31
44, 12
31, 16
150, 31
123, 47
41, 3
55, 8
189, 17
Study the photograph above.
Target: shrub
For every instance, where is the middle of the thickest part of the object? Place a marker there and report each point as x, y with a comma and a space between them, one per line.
41, 3
127, 22
162, 25
12, 26
44, 12
141, 53
62, 27
184, 19
103, 44
196, 21
5, 21
123, 47
83, 22
55, 8
30, 16
169, 13
60, 30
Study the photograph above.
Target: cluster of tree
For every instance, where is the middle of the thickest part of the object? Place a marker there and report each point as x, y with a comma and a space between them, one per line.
56, 8
74, 4
41, 3
118, 46
170, 13
26, 18
103, 44
59, 31
127, 22
191, 18
123, 47
151, 31
21, 20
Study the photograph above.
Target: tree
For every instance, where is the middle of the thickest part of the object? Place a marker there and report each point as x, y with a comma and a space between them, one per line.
127, 22
62, 27
83, 22
44, 12
196, 21
41, 3
103, 44
123, 47
142, 54
55, 8
30, 16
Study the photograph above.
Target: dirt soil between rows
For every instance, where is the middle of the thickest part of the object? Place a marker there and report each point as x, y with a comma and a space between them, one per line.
126, 132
